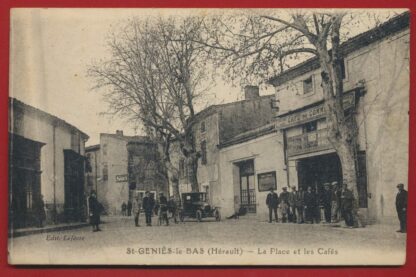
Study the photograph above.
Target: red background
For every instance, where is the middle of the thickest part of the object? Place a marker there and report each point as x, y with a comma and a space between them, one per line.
5, 270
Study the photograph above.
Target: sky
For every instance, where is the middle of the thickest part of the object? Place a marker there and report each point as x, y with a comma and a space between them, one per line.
50, 53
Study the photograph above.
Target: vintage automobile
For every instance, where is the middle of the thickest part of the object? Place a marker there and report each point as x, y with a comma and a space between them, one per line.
195, 205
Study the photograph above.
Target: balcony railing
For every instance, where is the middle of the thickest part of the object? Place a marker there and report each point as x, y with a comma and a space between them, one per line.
308, 142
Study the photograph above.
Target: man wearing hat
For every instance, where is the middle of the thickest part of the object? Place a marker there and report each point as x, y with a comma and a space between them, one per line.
335, 202
299, 202
284, 204
347, 204
163, 202
136, 210
401, 207
272, 201
95, 208
292, 205
326, 202
148, 206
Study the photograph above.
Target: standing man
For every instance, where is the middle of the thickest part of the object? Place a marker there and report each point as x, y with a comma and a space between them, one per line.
335, 202
284, 204
326, 202
299, 202
401, 207
310, 205
95, 210
123, 209
136, 210
129, 208
173, 209
272, 201
163, 204
292, 205
347, 202
148, 206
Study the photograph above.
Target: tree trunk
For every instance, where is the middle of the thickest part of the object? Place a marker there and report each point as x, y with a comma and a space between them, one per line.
172, 173
191, 159
192, 165
341, 132
173, 179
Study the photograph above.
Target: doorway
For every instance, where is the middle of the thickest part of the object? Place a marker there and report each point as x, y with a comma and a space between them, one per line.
247, 187
318, 170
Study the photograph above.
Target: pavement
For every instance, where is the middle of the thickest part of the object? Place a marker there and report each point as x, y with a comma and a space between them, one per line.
259, 242
46, 229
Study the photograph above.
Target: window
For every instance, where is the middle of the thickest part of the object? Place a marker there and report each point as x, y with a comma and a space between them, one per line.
307, 86
204, 152
206, 189
203, 127
309, 127
29, 196
105, 172
311, 136
104, 149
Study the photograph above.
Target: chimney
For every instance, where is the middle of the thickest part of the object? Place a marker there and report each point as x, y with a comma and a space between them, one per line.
119, 132
251, 92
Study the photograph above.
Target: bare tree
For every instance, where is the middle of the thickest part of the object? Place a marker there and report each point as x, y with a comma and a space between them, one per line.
155, 75
261, 44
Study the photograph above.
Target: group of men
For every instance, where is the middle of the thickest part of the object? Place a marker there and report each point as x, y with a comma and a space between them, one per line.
161, 207
305, 206
126, 208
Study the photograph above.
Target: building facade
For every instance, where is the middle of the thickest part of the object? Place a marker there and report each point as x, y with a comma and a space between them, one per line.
251, 164
376, 87
291, 149
46, 159
146, 172
121, 167
214, 126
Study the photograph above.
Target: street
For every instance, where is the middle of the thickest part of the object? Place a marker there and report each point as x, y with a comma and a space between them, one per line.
210, 242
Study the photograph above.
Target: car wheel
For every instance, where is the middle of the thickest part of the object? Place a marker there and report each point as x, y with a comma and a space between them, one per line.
217, 216
199, 215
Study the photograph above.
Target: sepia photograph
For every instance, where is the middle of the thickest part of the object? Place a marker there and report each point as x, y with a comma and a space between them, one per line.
208, 137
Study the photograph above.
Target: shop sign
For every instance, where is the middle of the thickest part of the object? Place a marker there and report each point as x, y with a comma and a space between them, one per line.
267, 181
312, 113
121, 178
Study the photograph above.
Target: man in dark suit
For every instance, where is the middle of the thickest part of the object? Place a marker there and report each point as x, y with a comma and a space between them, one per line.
401, 207
299, 202
272, 201
326, 202
163, 205
148, 206
95, 211
309, 200
284, 204
347, 204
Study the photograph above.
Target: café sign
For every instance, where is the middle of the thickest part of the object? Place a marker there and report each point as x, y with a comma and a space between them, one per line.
311, 114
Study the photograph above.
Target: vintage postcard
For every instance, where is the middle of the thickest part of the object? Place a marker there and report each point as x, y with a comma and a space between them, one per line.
208, 136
